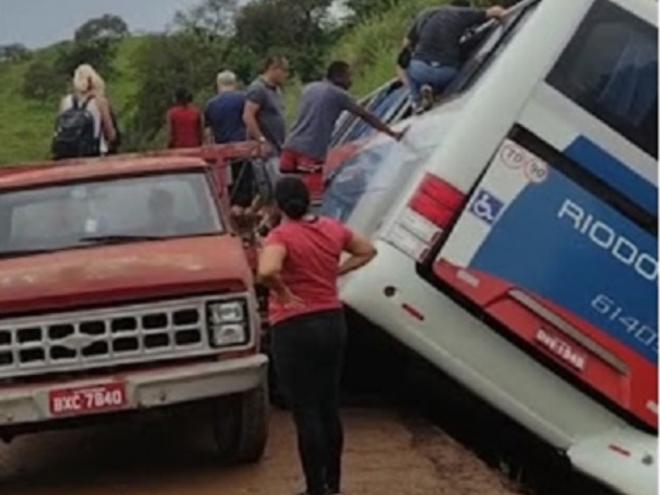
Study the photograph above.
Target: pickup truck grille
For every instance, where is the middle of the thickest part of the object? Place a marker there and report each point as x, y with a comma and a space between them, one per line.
101, 338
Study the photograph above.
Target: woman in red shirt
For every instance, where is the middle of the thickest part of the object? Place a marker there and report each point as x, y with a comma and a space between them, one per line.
301, 264
184, 122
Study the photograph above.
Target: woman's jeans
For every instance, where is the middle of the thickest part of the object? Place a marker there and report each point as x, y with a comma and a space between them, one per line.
309, 353
421, 73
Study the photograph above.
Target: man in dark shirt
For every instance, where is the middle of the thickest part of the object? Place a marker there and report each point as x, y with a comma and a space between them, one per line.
434, 40
224, 113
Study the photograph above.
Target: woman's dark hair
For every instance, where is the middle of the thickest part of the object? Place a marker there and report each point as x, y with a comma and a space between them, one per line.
292, 197
182, 96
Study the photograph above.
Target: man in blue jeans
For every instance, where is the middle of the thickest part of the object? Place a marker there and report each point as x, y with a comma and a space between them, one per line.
434, 44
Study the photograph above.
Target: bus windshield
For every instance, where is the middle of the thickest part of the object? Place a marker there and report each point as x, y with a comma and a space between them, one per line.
367, 184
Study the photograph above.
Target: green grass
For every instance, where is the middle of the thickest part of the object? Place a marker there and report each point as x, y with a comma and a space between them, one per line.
25, 125
373, 45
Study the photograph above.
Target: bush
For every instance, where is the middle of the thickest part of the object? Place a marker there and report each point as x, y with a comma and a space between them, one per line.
168, 62
99, 54
42, 81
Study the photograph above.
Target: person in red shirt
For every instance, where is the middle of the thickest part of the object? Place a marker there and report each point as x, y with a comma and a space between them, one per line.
300, 263
184, 122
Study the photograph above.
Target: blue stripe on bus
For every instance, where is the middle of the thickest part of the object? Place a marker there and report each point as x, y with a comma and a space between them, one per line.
614, 173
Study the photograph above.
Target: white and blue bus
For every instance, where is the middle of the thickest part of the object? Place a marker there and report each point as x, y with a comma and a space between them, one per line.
517, 229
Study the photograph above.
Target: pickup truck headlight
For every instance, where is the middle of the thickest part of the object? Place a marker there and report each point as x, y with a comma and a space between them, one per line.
227, 322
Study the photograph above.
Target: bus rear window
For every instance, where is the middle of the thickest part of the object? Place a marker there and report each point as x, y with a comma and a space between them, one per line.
610, 69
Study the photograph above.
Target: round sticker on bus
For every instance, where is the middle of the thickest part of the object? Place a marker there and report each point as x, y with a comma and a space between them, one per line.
536, 171
512, 155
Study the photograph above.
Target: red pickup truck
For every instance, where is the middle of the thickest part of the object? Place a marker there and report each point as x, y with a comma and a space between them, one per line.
124, 288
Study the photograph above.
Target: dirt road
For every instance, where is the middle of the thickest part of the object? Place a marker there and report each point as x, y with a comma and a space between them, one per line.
385, 454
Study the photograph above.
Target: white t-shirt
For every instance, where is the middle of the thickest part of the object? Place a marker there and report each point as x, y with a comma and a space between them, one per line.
93, 109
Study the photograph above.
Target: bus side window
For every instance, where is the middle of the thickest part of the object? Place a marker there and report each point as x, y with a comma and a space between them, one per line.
610, 69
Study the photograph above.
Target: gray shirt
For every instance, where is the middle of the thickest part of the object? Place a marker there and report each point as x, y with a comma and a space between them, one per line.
271, 111
321, 105
436, 33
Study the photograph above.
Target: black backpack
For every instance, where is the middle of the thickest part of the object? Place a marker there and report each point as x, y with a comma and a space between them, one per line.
75, 133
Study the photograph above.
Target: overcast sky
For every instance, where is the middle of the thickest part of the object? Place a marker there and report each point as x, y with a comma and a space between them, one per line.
37, 23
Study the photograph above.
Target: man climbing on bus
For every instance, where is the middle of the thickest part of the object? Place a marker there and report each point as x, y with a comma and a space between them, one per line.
433, 45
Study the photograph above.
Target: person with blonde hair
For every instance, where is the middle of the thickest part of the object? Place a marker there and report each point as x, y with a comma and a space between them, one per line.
85, 126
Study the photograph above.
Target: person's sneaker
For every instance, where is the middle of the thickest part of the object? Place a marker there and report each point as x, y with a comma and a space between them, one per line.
418, 109
428, 98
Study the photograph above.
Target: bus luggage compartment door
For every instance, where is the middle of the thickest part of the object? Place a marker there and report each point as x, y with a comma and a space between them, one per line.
568, 275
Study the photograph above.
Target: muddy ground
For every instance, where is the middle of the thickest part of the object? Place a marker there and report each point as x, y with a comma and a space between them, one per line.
387, 453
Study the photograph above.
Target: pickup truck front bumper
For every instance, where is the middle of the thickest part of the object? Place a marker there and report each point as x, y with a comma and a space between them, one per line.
29, 405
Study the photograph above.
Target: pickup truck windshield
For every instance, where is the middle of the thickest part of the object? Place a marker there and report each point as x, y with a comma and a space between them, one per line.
107, 211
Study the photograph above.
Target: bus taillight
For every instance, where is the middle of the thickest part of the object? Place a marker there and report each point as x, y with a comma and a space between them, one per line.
432, 210
437, 201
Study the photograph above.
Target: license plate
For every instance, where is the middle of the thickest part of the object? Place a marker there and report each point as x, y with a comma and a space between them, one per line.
562, 349
88, 400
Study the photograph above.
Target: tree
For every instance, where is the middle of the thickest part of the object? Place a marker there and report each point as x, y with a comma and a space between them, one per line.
365, 8
14, 52
168, 62
106, 28
98, 54
302, 37
212, 18
42, 81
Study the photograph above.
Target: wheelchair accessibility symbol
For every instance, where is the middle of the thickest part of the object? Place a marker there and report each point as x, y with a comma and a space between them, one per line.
486, 207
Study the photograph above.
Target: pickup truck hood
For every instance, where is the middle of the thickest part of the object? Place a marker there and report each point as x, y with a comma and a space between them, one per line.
124, 273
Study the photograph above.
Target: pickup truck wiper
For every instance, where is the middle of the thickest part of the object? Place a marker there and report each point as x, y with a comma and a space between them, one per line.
26, 252
118, 239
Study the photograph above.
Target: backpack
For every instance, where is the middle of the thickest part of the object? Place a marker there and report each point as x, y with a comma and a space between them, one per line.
75, 132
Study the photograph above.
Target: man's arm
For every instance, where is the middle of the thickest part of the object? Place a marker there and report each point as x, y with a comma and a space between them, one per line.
201, 129
251, 122
170, 136
496, 12
107, 125
375, 122
254, 129
473, 17
209, 136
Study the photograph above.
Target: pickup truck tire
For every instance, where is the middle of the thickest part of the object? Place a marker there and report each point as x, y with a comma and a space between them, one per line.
240, 426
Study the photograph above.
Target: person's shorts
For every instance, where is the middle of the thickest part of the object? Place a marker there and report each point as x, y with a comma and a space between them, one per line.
310, 171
